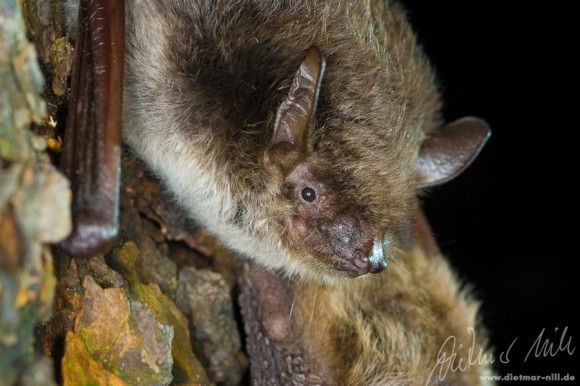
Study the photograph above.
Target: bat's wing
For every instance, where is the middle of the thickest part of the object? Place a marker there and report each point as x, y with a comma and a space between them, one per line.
92, 143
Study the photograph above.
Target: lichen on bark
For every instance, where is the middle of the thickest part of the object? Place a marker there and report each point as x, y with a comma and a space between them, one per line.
34, 207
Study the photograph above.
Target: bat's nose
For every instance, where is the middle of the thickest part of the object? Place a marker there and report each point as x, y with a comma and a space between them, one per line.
373, 262
352, 241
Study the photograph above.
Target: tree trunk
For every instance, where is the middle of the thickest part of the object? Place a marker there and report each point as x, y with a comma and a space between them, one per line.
34, 204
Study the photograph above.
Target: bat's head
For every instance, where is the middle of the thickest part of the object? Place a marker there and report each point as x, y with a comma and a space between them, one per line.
347, 195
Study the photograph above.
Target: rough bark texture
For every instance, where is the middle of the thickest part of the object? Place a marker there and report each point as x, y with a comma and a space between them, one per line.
278, 355
150, 311
34, 203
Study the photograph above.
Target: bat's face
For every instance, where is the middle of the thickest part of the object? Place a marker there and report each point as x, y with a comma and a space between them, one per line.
350, 183
331, 234
322, 225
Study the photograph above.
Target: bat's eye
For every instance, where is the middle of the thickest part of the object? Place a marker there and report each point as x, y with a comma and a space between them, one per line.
308, 194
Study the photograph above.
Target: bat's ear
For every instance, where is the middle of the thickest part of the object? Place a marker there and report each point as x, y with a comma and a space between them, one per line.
450, 150
296, 112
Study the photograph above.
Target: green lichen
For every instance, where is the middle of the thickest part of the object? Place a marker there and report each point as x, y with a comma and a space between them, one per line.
79, 368
187, 368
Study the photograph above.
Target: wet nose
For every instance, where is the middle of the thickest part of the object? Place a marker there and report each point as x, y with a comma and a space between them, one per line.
376, 258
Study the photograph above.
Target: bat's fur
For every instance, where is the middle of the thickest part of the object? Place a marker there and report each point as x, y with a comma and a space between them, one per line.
204, 80
410, 325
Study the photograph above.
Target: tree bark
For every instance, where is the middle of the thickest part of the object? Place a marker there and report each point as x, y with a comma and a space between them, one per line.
34, 202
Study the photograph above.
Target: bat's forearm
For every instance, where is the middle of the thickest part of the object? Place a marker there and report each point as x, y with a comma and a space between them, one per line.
91, 151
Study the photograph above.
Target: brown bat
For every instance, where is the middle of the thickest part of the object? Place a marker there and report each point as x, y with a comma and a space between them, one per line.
295, 132
299, 133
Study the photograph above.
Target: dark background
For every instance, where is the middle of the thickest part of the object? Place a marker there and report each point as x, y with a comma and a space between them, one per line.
508, 223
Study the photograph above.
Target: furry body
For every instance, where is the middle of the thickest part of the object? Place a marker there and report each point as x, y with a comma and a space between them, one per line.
202, 85
410, 325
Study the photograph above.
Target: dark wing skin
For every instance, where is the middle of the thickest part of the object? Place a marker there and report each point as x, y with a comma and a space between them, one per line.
92, 143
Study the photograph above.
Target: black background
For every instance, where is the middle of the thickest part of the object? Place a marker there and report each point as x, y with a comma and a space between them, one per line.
508, 224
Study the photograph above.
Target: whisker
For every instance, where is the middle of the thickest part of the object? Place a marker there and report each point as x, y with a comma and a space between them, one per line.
312, 311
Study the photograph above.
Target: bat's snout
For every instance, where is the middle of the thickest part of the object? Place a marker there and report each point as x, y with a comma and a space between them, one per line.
356, 246
361, 263
373, 262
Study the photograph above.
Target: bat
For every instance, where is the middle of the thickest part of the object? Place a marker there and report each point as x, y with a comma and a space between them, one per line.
300, 134
297, 133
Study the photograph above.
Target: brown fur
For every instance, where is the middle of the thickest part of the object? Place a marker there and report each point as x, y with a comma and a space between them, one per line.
203, 83
397, 327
